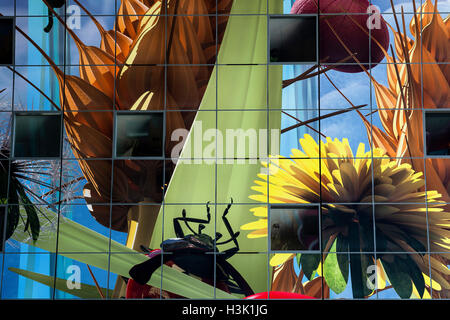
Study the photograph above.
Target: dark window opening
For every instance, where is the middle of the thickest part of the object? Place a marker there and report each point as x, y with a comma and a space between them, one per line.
6, 41
140, 135
294, 228
437, 126
293, 39
37, 135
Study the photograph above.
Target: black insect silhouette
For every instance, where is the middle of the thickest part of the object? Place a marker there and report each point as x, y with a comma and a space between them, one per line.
54, 4
188, 252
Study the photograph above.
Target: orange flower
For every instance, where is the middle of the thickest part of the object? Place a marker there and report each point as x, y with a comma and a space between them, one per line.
125, 73
412, 88
400, 102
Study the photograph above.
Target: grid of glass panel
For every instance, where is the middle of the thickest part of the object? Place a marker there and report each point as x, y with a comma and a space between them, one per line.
199, 73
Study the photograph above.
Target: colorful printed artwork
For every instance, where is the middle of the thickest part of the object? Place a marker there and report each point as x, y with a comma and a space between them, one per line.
224, 149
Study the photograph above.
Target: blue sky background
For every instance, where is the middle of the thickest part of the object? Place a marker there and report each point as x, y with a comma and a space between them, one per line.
349, 125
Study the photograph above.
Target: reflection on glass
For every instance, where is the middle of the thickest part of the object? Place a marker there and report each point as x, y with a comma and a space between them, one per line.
6, 40
140, 135
437, 133
294, 228
37, 135
293, 39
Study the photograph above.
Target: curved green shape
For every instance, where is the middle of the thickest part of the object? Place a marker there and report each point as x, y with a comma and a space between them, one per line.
82, 244
250, 87
231, 87
86, 291
335, 278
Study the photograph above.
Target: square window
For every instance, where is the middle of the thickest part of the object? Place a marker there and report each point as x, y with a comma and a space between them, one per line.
140, 134
437, 126
294, 228
6, 40
293, 39
37, 135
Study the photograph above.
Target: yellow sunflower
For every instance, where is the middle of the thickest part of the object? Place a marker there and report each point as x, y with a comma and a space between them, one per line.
395, 200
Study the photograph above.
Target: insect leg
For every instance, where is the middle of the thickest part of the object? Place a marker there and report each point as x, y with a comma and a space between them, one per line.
185, 219
50, 22
233, 235
177, 227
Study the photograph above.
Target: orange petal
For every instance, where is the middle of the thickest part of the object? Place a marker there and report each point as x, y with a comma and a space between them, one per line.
129, 16
115, 43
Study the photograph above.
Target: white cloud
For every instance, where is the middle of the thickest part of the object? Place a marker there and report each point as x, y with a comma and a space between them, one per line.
356, 91
349, 126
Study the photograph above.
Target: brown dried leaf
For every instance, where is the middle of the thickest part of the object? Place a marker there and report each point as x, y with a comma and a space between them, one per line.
129, 16
98, 68
284, 277
315, 287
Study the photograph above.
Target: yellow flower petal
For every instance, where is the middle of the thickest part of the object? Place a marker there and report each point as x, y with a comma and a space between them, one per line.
436, 286
259, 211
340, 178
260, 224
261, 233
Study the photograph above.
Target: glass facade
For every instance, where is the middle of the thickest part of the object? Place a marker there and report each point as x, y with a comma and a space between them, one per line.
220, 149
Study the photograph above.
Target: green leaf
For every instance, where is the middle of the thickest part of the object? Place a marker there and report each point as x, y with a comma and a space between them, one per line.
415, 274
366, 261
399, 279
336, 280
358, 271
341, 244
342, 256
356, 262
86, 291
78, 243
12, 217
309, 263
32, 221
381, 241
298, 256
368, 240
242, 87
12, 221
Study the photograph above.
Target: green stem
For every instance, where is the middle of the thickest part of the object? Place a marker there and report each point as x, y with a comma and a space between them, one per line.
355, 262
